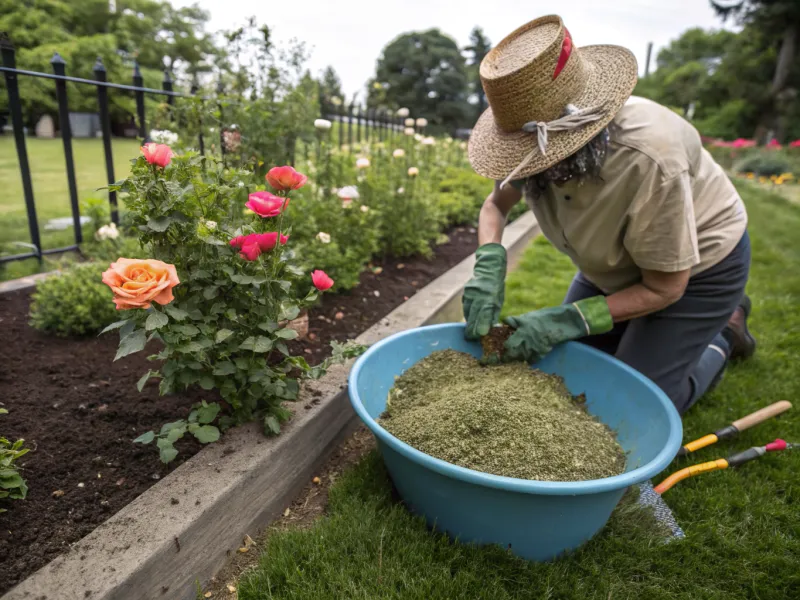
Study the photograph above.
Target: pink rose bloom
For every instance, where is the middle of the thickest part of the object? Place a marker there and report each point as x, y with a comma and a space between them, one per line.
157, 154
285, 178
265, 204
137, 283
253, 245
794, 144
743, 143
321, 280
774, 144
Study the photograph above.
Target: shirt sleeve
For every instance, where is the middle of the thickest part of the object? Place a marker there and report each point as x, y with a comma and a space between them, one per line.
661, 233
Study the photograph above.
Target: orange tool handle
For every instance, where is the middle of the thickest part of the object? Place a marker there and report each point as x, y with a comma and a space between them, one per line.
677, 476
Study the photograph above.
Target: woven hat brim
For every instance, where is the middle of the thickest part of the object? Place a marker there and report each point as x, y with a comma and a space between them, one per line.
611, 76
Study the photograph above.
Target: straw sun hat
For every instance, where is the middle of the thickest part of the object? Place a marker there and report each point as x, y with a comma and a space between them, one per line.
547, 99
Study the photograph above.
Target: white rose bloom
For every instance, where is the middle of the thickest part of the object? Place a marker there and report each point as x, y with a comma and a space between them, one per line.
323, 237
418, 137
322, 124
211, 225
429, 141
422, 122
410, 122
362, 163
410, 131
348, 192
403, 112
364, 208
107, 232
399, 153
401, 191
164, 136
413, 171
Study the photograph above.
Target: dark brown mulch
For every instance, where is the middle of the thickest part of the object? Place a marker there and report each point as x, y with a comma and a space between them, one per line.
79, 411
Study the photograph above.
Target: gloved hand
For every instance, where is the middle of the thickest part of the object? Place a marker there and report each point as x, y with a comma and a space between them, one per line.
484, 294
539, 331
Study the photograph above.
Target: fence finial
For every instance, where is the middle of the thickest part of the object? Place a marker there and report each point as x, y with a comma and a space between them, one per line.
5, 41
136, 71
99, 67
167, 78
57, 59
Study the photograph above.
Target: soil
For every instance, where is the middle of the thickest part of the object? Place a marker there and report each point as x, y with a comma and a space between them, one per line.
78, 411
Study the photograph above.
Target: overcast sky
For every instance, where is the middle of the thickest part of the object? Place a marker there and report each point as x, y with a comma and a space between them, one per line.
349, 34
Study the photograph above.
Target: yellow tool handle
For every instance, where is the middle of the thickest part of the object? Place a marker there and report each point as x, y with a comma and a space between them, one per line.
762, 415
704, 441
677, 476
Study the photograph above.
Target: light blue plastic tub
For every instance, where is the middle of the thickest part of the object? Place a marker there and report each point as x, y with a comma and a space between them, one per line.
537, 520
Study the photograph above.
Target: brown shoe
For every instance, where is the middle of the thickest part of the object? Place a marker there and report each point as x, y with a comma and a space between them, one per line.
742, 343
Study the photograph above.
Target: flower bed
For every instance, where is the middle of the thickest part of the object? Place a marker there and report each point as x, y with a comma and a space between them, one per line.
79, 411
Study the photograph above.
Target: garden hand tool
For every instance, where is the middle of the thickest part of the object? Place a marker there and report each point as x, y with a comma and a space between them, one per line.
539, 331
731, 430
723, 463
484, 293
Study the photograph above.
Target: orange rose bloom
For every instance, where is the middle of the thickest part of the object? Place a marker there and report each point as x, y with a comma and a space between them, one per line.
137, 283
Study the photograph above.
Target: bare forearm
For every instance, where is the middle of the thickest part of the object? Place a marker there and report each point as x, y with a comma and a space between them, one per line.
656, 292
493, 215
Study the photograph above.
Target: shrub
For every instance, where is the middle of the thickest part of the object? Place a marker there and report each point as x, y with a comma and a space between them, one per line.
764, 163
73, 303
217, 293
461, 195
337, 235
12, 485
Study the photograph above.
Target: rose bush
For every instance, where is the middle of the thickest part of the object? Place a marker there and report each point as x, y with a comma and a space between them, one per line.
217, 293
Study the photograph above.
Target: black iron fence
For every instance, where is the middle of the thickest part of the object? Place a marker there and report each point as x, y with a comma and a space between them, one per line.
355, 123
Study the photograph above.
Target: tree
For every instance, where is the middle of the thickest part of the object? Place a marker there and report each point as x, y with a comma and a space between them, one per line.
330, 90
425, 72
780, 21
479, 47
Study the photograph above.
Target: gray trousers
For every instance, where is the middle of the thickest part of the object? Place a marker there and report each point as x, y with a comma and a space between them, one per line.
680, 348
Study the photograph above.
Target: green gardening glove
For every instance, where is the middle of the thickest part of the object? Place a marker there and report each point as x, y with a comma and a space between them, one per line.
539, 331
483, 295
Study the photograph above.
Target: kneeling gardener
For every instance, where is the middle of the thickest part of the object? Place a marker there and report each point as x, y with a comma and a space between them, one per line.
624, 187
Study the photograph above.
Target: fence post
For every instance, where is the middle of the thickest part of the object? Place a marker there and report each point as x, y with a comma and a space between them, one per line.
359, 116
194, 89
105, 124
350, 127
138, 82
166, 85
60, 68
15, 107
368, 123
340, 119
220, 92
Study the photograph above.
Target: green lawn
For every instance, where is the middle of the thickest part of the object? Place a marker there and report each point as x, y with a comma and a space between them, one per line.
742, 526
49, 176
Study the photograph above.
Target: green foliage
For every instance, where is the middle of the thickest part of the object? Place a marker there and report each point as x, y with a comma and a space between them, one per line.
425, 72
764, 163
73, 303
352, 228
12, 485
225, 329
198, 424
479, 47
461, 195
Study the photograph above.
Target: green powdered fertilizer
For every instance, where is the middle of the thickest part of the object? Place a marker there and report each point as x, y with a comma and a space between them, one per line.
506, 420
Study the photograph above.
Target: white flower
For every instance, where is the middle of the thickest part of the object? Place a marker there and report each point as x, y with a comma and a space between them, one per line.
348, 192
413, 171
403, 112
322, 124
418, 137
364, 208
323, 237
409, 122
409, 131
233, 126
399, 153
362, 163
164, 136
429, 141
401, 191
107, 232
422, 122
211, 225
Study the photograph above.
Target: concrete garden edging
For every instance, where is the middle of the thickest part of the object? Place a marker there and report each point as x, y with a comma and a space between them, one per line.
181, 530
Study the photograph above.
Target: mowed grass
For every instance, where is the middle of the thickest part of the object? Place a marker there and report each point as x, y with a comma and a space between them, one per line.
50, 191
742, 525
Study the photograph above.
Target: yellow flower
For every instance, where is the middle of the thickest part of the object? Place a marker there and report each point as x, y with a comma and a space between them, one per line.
787, 176
773, 177
750, 175
762, 179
